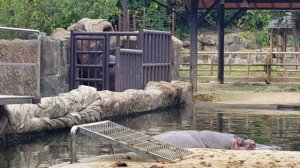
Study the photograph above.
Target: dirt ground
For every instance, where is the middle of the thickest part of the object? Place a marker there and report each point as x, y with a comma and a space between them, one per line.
249, 93
214, 158
230, 93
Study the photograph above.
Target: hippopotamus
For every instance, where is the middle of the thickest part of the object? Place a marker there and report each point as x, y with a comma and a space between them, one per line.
205, 139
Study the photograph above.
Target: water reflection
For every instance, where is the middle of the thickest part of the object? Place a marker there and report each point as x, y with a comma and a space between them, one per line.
53, 148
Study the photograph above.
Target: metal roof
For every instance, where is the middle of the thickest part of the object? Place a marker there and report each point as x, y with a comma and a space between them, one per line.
253, 4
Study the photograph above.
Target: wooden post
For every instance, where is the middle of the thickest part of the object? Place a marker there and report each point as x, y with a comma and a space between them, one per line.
173, 23
248, 64
230, 57
127, 21
221, 12
144, 18
134, 22
125, 14
193, 43
212, 64
120, 21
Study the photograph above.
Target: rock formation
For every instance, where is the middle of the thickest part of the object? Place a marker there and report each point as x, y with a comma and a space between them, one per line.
85, 105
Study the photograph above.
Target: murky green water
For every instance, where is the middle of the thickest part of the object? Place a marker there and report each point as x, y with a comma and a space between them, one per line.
53, 148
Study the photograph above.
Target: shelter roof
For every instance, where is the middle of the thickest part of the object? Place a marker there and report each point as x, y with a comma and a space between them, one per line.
253, 4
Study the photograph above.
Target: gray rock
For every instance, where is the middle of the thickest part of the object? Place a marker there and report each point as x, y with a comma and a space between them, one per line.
86, 104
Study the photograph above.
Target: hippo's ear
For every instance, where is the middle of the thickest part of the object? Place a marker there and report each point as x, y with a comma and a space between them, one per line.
238, 143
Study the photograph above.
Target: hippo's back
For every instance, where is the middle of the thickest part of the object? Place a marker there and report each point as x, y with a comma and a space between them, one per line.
217, 140
184, 139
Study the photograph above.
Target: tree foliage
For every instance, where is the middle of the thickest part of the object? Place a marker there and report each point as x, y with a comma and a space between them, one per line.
47, 15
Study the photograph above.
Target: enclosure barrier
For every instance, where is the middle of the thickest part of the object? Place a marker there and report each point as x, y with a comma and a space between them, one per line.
129, 62
21, 98
268, 64
94, 55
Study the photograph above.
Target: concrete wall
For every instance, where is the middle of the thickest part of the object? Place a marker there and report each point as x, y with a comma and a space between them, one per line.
14, 78
54, 66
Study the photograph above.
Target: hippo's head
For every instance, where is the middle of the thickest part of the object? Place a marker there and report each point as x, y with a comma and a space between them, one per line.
241, 144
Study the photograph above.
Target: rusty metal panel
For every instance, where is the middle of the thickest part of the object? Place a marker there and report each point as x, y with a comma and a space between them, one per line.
128, 69
88, 60
157, 55
152, 48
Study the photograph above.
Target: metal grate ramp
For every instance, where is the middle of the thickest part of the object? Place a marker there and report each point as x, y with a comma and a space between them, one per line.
127, 138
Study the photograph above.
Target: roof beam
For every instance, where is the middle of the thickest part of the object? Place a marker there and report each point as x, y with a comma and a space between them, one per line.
201, 18
263, 1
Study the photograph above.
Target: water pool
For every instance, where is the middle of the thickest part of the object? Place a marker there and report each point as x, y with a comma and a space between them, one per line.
279, 128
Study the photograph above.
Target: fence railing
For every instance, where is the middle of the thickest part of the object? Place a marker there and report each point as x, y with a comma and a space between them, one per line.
247, 64
157, 55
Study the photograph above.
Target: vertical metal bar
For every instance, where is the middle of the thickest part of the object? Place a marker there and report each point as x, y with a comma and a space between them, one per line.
156, 57
105, 65
73, 152
118, 41
117, 70
128, 69
141, 70
72, 67
151, 56
76, 58
170, 58
89, 62
127, 41
147, 58
134, 79
193, 43
141, 46
160, 57
221, 42
164, 41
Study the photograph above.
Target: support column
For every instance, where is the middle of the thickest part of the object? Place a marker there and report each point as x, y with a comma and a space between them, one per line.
193, 43
221, 42
125, 21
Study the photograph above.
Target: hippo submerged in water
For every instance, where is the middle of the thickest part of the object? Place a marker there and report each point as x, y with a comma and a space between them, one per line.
208, 139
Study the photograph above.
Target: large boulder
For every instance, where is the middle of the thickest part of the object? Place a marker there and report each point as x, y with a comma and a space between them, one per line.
86, 25
60, 33
176, 57
93, 25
